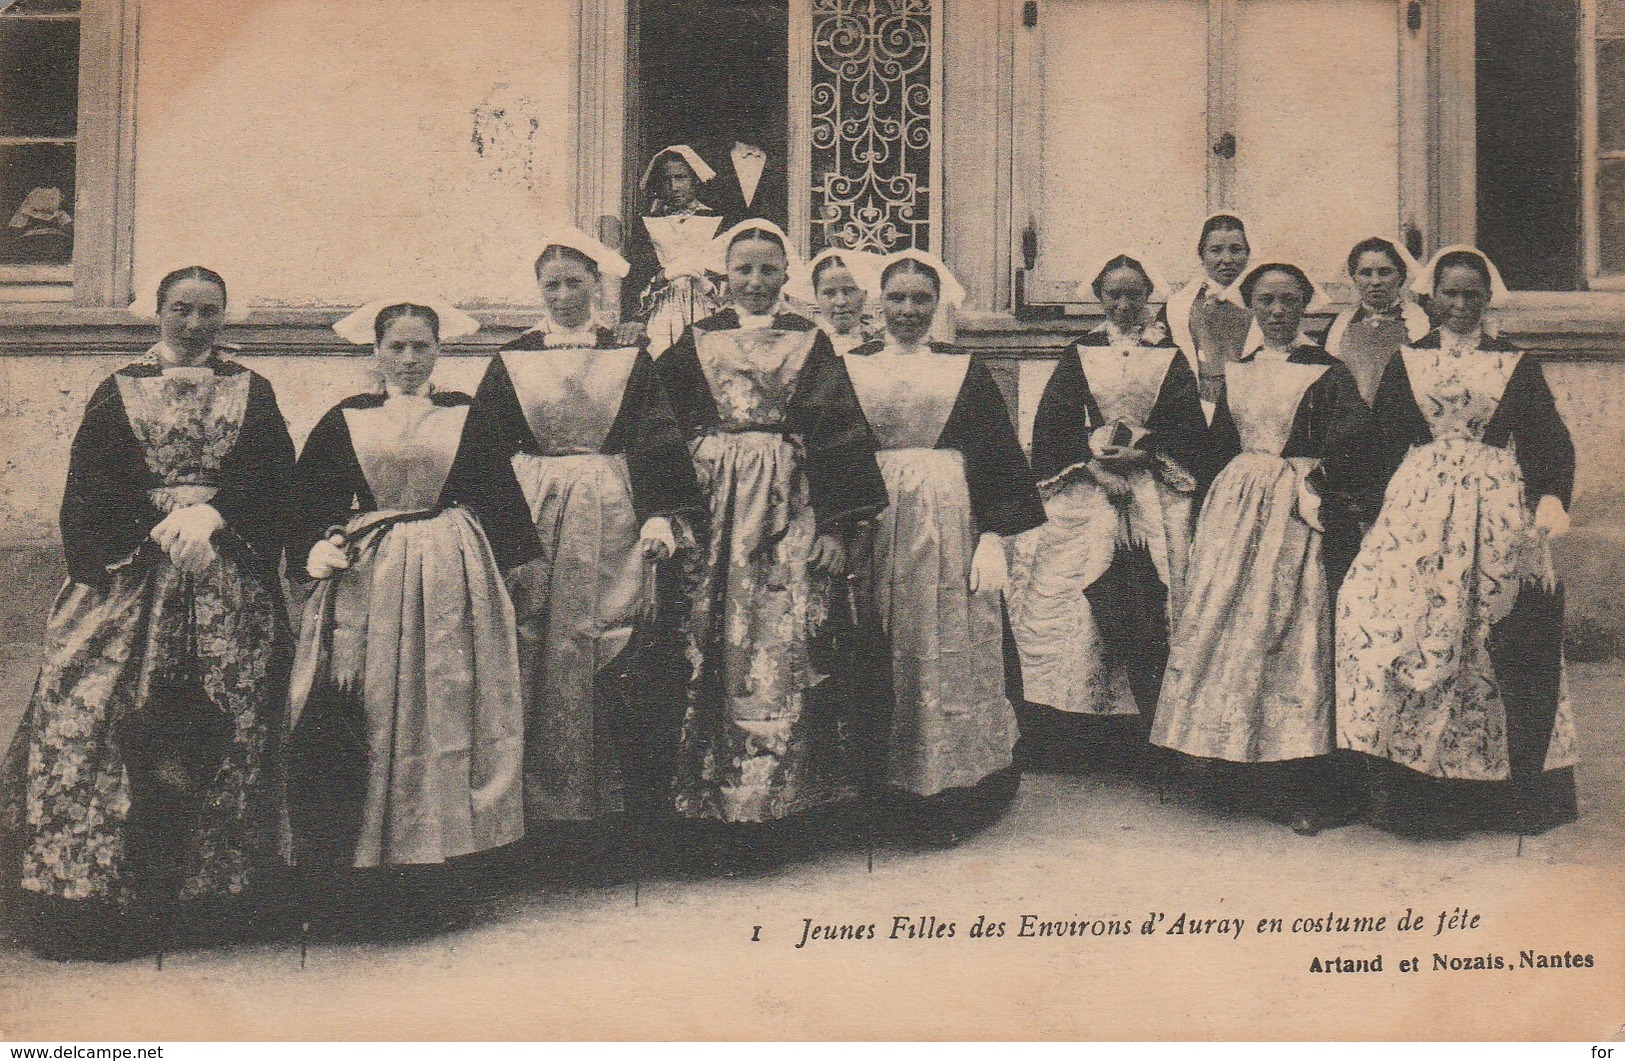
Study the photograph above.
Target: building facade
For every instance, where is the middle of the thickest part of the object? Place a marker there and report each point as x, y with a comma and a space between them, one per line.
321, 154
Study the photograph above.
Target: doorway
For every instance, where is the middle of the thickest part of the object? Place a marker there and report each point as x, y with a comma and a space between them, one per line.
705, 73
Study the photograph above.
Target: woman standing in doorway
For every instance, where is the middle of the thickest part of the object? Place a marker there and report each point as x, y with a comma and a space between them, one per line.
1450, 675
672, 247
1249, 679
1120, 448
959, 486
146, 775
786, 462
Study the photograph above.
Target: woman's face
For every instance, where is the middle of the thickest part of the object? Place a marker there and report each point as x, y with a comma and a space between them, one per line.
682, 185
1224, 255
407, 352
191, 317
1123, 295
756, 274
840, 299
909, 302
1460, 298
567, 291
1377, 279
1277, 303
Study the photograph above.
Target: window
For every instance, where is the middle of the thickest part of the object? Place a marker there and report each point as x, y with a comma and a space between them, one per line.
1604, 151
39, 123
1528, 141
66, 84
1305, 116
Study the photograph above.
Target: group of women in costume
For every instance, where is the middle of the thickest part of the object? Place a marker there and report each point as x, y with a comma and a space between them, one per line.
798, 561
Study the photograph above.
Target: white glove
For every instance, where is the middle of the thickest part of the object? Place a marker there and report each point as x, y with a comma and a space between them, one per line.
325, 559
187, 536
1551, 518
989, 573
657, 539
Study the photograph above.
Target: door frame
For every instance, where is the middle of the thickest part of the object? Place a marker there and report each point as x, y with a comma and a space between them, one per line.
1435, 124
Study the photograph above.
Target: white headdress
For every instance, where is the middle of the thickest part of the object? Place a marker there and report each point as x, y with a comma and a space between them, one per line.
358, 327
1423, 283
1318, 302
720, 245
1159, 286
1413, 268
687, 154
863, 265
608, 261
1246, 231
145, 305
950, 293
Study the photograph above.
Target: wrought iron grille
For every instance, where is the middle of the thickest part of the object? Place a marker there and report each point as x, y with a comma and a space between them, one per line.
872, 124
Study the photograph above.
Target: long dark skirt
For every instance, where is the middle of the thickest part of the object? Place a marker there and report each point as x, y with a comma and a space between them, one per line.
146, 775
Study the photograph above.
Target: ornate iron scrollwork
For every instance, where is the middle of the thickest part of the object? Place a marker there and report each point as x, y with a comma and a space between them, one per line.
872, 124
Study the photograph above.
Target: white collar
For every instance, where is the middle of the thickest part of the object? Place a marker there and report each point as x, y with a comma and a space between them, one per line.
164, 356
1118, 338
897, 348
1206, 285
1397, 310
1260, 347
1452, 343
760, 320
558, 337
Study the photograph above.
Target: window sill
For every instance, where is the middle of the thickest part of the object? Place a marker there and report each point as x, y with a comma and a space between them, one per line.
41, 329
1578, 325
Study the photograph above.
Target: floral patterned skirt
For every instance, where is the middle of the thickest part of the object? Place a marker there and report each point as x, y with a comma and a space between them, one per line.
575, 607
420, 629
85, 824
1065, 664
1249, 676
952, 724
758, 740
1428, 677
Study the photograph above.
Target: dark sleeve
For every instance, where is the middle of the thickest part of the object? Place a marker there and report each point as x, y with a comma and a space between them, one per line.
842, 475
256, 477
644, 263
1223, 438
686, 386
327, 487
1176, 428
1066, 414
1003, 492
1528, 414
496, 413
1334, 424
482, 480
1399, 425
106, 513
657, 457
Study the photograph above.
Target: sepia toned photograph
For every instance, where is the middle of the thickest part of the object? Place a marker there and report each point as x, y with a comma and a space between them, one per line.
812, 520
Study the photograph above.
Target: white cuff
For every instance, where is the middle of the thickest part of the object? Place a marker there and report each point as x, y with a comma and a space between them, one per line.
658, 528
